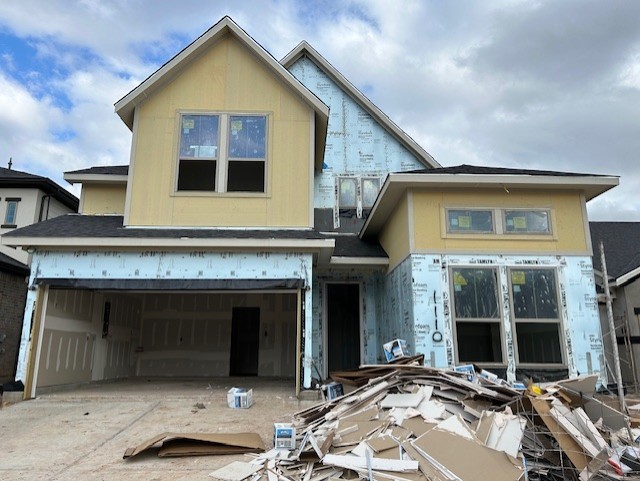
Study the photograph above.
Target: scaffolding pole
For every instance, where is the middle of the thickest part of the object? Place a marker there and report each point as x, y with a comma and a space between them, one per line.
612, 331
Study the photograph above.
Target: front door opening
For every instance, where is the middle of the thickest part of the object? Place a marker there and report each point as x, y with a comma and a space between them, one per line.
343, 326
245, 341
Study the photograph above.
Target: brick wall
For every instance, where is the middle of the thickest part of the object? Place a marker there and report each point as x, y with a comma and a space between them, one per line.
13, 294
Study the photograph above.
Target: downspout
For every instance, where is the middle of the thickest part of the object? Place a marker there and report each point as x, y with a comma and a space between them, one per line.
48, 197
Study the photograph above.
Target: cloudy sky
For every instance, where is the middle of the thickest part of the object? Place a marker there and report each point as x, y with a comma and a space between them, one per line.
511, 83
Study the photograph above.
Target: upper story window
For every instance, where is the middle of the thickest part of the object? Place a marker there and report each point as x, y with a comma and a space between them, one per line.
521, 221
356, 195
348, 194
470, 220
370, 189
11, 212
222, 153
498, 221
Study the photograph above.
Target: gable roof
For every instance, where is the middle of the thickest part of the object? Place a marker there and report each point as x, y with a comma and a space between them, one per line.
479, 177
126, 105
104, 173
10, 178
621, 249
303, 49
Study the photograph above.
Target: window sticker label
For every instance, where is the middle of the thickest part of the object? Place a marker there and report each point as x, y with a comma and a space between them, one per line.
188, 124
236, 125
464, 221
518, 278
520, 222
459, 280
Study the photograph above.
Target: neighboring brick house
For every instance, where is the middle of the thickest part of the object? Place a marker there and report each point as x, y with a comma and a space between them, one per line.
13, 294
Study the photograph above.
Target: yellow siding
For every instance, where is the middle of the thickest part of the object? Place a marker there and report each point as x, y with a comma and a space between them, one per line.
226, 78
394, 237
103, 198
568, 222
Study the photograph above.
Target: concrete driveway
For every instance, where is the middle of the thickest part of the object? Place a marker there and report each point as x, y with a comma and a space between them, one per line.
82, 433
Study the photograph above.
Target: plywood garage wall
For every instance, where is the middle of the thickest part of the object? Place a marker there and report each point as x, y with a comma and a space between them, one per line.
190, 334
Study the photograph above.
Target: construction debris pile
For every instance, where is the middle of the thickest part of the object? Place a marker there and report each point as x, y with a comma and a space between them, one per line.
417, 423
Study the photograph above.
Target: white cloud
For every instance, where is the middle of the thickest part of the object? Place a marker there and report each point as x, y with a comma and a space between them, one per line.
549, 85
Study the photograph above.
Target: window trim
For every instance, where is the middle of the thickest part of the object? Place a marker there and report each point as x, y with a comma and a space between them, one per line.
499, 232
558, 321
359, 208
494, 227
362, 180
499, 320
222, 159
504, 211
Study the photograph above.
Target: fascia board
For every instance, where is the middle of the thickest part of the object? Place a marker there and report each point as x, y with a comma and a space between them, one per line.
95, 178
138, 242
125, 106
359, 261
628, 277
383, 119
397, 183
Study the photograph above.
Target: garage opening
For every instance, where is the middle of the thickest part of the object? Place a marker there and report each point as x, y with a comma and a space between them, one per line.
98, 335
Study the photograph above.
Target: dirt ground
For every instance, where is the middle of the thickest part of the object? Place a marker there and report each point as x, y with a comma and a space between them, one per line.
82, 433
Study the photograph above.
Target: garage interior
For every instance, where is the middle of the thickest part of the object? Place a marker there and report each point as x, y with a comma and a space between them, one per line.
99, 335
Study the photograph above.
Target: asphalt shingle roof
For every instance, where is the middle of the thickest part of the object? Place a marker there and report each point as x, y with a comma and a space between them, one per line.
16, 174
110, 226
16, 179
621, 246
353, 246
103, 170
482, 170
9, 264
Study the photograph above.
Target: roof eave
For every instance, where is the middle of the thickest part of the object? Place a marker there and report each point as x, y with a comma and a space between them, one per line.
397, 183
95, 178
46, 185
66, 243
125, 106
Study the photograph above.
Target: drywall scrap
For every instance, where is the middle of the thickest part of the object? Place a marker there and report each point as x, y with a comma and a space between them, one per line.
414, 423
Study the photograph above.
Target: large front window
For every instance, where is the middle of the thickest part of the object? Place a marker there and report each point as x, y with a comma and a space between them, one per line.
222, 153
536, 316
477, 315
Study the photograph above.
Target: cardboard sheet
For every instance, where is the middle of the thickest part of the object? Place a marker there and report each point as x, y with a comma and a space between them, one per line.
197, 444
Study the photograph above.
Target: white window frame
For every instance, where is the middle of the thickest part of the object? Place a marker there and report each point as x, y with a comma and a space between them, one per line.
499, 320
358, 206
11, 201
223, 158
515, 320
499, 223
526, 232
362, 181
493, 230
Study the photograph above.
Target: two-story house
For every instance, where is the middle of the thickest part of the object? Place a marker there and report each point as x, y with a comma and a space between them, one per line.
273, 222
